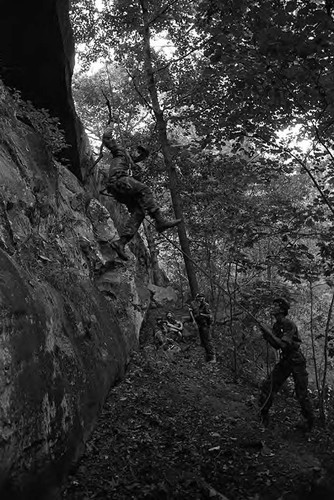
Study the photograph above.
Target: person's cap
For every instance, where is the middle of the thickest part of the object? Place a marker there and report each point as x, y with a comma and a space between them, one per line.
282, 303
108, 133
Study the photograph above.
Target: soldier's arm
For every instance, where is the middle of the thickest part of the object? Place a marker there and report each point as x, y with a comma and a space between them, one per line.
268, 335
274, 341
170, 326
178, 327
137, 171
191, 314
111, 143
143, 153
206, 313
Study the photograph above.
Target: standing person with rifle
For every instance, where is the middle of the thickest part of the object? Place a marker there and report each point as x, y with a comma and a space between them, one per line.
137, 197
284, 335
200, 313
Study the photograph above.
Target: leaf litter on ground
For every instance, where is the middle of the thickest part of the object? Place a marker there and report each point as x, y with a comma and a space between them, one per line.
178, 428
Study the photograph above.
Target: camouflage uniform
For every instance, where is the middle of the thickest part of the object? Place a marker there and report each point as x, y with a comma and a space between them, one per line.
161, 337
202, 315
127, 190
174, 326
137, 197
292, 362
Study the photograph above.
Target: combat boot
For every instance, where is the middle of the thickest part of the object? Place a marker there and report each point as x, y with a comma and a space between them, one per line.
119, 247
161, 224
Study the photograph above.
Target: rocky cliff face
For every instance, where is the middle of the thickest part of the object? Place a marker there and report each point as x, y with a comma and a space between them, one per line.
70, 310
37, 58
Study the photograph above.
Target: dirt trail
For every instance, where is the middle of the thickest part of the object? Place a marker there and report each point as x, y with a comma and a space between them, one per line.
179, 428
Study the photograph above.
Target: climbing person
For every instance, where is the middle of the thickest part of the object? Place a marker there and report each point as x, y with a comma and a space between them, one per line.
284, 335
200, 313
173, 325
134, 194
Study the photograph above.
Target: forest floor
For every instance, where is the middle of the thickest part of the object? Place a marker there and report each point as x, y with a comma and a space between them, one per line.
179, 428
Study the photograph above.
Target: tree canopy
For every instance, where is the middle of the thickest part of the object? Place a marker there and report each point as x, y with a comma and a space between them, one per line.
235, 101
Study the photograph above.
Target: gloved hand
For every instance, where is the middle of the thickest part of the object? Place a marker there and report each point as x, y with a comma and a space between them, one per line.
143, 153
141, 149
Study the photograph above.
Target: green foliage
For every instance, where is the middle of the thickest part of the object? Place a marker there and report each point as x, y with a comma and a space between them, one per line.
41, 121
110, 83
270, 64
258, 206
12, 105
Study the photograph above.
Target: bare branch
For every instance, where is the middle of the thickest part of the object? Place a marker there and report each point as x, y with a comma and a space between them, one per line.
181, 58
323, 143
138, 91
307, 170
108, 106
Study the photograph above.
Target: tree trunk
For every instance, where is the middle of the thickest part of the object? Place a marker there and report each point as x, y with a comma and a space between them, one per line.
162, 133
312, 342
158, 276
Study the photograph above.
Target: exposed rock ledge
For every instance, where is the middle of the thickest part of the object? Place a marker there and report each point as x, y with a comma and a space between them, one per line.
70, 311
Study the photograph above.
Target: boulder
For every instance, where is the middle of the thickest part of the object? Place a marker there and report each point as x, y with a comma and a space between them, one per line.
163, 296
